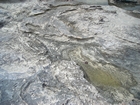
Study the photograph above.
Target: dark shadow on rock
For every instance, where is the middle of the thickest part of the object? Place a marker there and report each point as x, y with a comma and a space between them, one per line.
125, 1
2, 23
12, 1
136, 15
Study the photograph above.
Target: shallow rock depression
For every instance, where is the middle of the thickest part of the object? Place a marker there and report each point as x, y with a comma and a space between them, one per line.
68, 53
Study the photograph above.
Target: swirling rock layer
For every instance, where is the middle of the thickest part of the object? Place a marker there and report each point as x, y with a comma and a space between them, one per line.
64, 53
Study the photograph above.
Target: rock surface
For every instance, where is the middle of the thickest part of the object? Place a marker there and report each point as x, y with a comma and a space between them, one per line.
66, 53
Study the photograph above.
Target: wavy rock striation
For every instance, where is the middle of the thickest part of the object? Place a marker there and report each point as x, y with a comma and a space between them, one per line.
66, 53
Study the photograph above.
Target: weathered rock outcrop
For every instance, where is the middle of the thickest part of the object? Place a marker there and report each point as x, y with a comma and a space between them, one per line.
64, 53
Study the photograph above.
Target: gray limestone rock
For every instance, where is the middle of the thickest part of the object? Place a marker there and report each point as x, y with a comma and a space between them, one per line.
56, 52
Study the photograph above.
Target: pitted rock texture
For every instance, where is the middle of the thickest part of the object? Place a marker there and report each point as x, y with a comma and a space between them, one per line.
40, 63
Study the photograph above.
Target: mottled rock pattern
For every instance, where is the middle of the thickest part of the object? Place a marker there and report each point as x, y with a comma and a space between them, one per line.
39, 64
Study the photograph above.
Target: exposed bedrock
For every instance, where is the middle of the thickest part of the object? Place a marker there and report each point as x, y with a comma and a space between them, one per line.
65, 53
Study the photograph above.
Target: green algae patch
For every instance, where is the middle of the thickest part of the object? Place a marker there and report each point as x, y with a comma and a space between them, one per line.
102, 74
100, 77
112, 81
